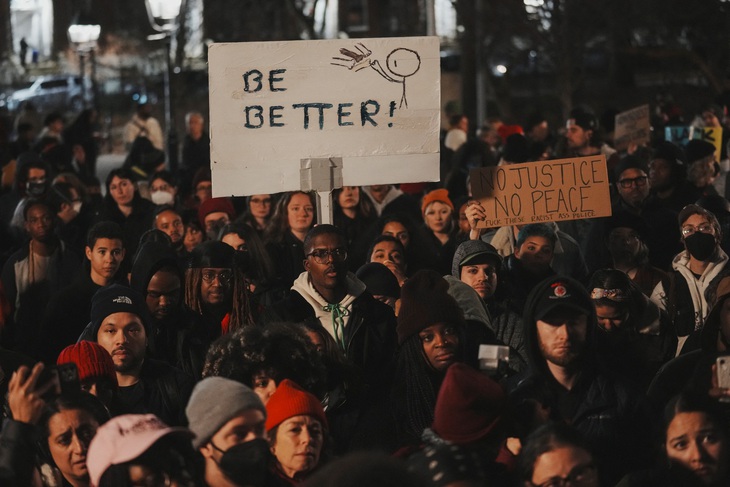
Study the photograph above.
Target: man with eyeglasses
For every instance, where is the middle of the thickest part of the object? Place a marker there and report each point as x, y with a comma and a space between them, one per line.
688, 294
633, 190
216, 299
362, 327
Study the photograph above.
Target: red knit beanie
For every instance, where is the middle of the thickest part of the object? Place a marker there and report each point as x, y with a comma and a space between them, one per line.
469, 406
441, 195
214, 205
92, 360
289, 400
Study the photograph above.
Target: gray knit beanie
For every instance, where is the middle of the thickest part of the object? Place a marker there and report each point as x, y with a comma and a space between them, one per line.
214, 401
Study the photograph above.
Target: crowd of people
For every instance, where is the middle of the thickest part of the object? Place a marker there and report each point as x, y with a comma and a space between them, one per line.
153, 335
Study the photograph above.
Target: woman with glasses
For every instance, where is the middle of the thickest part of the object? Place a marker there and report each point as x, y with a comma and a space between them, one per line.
556, 455
687, 295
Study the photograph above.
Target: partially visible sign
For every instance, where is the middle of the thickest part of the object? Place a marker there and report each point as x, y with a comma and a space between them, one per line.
545, 191
374, 104
681, 135
632, 127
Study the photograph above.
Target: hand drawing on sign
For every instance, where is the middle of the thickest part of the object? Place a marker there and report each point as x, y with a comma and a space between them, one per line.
399, 65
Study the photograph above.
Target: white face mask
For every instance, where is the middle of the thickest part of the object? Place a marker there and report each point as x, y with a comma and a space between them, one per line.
162, 198
76, 205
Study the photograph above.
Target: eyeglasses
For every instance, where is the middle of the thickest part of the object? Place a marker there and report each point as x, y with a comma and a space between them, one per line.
224, 277
688, 230
627, 183
321, 256
577, 476
261, 201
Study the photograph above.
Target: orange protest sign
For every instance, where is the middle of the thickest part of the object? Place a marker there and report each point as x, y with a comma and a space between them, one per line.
545, 191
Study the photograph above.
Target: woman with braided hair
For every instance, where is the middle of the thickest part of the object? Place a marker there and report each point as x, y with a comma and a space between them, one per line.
431, 337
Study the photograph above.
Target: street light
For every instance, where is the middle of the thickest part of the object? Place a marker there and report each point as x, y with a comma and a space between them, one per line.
83, 33
163, 16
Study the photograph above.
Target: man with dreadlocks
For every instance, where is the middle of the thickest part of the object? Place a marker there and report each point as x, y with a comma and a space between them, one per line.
215, 295
362, 327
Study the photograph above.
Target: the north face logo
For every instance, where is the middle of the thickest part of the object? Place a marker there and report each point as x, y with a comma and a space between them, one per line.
122, 300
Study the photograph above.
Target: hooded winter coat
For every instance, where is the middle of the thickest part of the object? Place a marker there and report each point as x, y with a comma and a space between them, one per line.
602, 406
686, 298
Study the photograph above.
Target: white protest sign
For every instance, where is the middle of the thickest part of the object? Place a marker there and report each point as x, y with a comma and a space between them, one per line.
374, 103
632, 127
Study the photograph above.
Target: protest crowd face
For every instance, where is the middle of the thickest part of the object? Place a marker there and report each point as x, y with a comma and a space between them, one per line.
258, 342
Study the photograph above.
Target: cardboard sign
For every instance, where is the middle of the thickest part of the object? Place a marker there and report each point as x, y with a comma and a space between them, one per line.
681, 135
632, 127
545, 191
374, 103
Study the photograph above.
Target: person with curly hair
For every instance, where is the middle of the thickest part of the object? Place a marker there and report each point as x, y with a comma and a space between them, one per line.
262, 358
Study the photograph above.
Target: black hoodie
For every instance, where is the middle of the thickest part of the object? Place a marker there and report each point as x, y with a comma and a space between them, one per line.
163, 335
612, 417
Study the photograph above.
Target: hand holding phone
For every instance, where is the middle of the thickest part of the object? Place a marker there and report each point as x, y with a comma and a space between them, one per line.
26, 393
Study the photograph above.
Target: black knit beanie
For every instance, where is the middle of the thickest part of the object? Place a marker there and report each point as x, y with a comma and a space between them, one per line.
425, 300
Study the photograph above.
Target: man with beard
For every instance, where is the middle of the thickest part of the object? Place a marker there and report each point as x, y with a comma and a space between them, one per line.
567, 382
119, 323
167, 219
689, 292
32, 275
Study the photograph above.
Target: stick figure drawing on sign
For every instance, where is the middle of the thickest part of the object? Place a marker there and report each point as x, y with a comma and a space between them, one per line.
399, 65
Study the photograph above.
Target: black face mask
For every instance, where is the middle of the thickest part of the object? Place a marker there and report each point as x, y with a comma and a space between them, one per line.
700, 245
246, 464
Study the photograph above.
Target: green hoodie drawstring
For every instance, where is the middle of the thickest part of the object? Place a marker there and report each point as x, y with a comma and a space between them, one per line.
338, 323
